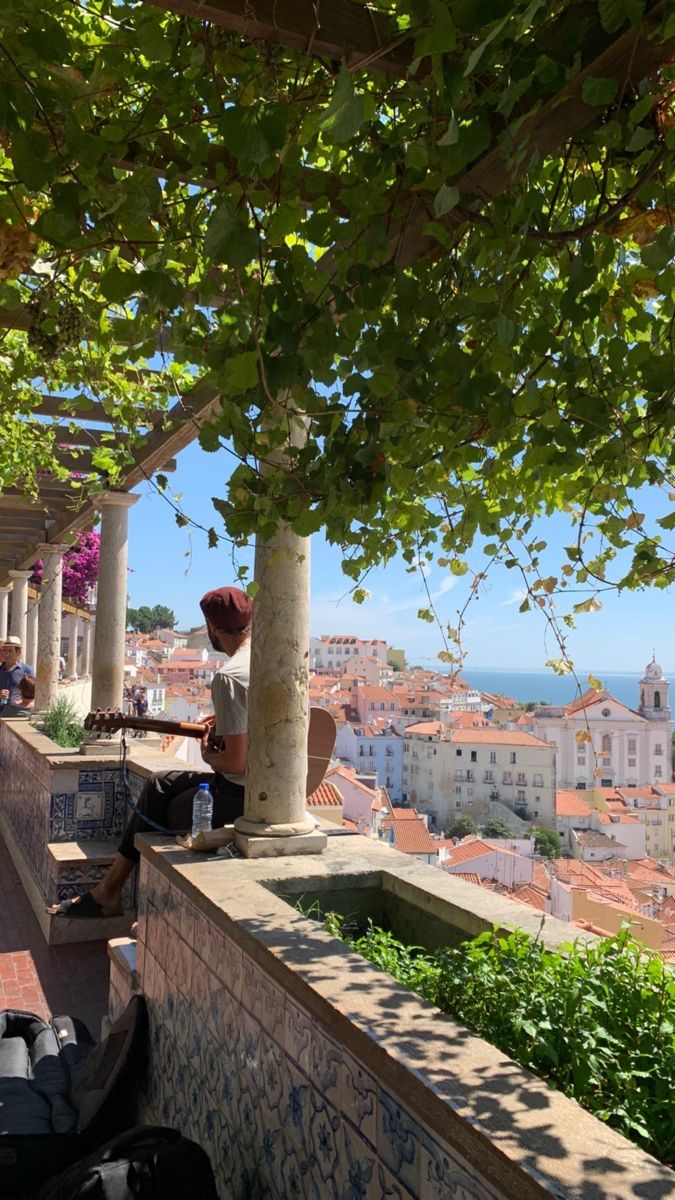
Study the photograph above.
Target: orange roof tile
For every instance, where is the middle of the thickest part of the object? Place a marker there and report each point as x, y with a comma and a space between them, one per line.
325, 796
497, 737
570, 804
413, 837
467, 876
426, 727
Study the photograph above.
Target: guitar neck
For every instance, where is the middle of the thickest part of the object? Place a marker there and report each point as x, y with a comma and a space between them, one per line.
155, 725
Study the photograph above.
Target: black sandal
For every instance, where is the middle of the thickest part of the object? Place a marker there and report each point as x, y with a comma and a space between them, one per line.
80, 907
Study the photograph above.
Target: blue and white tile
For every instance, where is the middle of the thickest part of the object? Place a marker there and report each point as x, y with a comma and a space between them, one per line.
358, 1097
298, 1034
227, 962
324, 1143
295, 1107
399, 1140
186, 923
357, 1172
325, 1064
446, 1175
388, 1188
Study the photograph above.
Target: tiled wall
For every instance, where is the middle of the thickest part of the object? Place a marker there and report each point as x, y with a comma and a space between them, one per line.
284, 1111
46, 803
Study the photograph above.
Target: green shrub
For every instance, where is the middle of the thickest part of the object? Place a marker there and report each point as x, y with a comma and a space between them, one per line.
63, 724
596, 1021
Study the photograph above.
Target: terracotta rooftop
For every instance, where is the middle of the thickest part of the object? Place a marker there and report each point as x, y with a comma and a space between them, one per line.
476, 848
429, 728
496, 737
325, 796
570, 804
413, 837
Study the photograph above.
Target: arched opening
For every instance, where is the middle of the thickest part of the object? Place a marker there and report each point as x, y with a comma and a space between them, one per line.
657, 699
606, 744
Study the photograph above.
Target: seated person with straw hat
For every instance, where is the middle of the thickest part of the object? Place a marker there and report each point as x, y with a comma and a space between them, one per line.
166, 799
12, 671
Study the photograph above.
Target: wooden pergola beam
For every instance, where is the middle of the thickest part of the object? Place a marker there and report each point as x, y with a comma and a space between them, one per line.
342, 29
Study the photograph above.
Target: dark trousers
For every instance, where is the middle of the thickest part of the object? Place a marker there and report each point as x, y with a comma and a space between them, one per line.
167, 799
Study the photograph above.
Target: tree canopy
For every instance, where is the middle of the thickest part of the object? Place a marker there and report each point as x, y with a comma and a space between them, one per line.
148, 620
448, 261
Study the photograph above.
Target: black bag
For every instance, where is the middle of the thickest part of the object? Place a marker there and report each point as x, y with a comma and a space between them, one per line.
146, 1163
61, 1094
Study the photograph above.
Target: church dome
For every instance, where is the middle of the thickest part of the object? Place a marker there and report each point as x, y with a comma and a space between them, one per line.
653, 670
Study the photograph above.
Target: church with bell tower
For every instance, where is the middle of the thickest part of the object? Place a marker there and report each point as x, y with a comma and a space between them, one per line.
600, 742
654, 701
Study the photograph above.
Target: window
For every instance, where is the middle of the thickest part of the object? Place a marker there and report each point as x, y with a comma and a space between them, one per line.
512, 756
521, 797
474, 756
631, 762
658, 771
459, 774
458, 791
538, 780
605, 783
458, 753
521, 779
458, 803
658, 749
488, 777
507, 777
606, 746
632, 742
581, 760
657, 699
606, 712
536, 812
493, 756
470, 776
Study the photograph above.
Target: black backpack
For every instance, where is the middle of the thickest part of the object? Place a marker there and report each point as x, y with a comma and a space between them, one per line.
60, 1094
146, 1163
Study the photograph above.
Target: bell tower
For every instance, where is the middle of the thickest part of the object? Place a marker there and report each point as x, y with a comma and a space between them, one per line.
654, 699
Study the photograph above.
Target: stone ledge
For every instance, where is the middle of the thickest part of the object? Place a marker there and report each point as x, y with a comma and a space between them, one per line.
524, 1139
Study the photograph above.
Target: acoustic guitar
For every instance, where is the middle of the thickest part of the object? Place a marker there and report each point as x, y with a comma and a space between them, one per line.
320, 737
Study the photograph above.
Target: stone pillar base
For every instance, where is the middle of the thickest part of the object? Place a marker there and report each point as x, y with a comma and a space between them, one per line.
101, 746
252, 846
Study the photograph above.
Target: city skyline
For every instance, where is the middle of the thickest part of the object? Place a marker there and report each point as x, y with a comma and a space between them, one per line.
620, 638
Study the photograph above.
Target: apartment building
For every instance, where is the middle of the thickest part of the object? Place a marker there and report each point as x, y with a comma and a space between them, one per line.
449, 771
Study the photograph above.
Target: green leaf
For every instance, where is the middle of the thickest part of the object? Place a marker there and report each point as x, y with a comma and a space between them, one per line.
345, 113
599, 91
241, 373
447, 198
228, 240
33, 158
615, 13
451, 134
117, 285
477, 54
440, 37
661, 251
160, 288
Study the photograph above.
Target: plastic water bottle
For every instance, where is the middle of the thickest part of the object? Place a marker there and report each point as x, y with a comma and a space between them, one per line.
202, 810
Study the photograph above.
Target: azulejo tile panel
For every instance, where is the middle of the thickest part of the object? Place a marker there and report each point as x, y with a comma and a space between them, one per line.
281, 1108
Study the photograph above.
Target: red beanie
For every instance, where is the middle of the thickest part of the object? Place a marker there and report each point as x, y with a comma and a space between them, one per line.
227, 608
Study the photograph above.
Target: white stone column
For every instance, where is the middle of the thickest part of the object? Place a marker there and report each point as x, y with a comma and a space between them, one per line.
73, 636
49, 628
4, 609
275, 818
111, 607
31, 651
20, 606
87, 645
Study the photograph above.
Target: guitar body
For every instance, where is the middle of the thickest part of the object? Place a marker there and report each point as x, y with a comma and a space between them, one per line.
320, 736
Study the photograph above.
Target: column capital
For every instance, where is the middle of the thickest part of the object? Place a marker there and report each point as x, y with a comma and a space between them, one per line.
45, 548
20, 574
116, 499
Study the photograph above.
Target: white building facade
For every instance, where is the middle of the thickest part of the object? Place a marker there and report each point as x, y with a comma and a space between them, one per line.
449, 772
599, 742
369, 750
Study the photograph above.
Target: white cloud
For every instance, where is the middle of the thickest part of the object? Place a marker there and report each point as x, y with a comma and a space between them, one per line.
516, 597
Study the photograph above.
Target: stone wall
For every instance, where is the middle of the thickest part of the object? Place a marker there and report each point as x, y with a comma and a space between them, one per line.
305, 1072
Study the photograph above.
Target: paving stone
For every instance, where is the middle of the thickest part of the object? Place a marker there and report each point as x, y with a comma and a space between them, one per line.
47, 980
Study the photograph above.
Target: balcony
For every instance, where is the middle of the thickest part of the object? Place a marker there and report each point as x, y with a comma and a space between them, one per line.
265, 1031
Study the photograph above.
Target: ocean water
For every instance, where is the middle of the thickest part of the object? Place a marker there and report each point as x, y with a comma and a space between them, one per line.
553, 689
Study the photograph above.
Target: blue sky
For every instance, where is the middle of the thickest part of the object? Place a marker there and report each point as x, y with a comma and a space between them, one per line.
169, 567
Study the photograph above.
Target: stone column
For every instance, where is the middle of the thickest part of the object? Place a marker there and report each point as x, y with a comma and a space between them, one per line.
275, 818
111, 607
4, 609
20, 606
31, 651
73, 635
49, 628
87, 647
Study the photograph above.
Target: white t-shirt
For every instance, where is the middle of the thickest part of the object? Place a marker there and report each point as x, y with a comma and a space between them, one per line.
229, 692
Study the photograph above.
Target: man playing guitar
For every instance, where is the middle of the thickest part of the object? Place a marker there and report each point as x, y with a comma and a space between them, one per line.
167, 798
